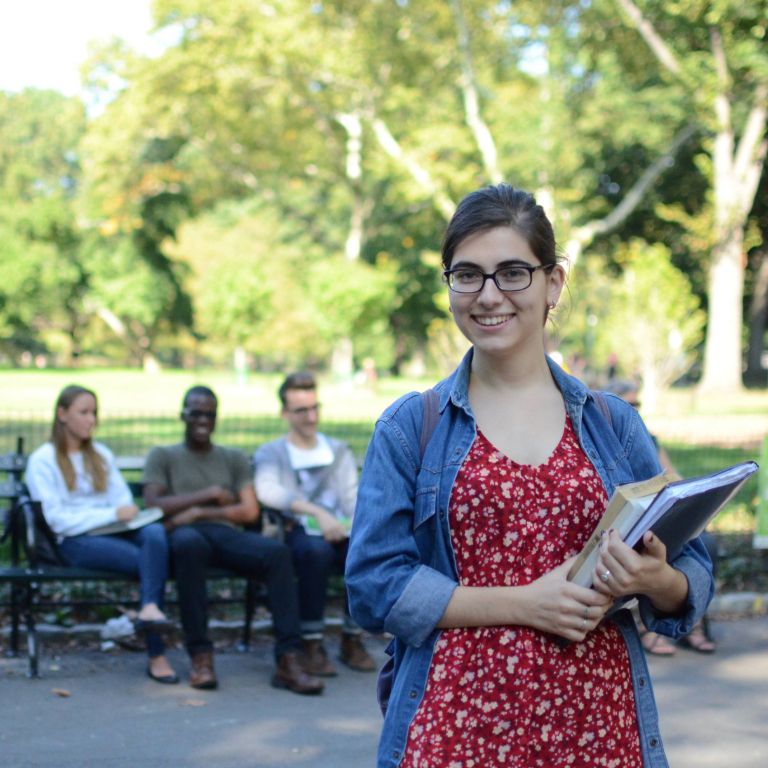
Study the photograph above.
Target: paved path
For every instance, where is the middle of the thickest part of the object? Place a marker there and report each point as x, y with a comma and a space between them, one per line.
714, 711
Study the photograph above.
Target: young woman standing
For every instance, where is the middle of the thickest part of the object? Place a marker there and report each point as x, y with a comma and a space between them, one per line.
462, 553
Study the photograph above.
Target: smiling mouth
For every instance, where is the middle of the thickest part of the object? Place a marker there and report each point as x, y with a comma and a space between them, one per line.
490, 321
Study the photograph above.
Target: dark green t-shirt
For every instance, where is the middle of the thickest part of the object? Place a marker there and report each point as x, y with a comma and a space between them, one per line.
179, 470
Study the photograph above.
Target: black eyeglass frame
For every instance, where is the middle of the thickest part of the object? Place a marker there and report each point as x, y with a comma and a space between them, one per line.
447, 275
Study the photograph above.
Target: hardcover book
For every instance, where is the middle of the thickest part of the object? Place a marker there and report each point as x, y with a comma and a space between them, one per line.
675, 510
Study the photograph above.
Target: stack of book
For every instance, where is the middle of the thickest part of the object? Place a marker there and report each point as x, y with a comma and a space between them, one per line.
675, 510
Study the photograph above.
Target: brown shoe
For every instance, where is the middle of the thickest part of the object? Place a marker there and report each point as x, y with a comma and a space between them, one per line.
202, 675
291, 676
315, 661
354, 655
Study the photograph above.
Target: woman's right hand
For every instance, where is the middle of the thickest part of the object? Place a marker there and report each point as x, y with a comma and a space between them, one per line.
556, 605
127, 512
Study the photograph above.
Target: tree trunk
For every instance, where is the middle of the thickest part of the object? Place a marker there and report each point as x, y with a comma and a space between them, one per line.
737, 167
758, 315
342, 357
722, 353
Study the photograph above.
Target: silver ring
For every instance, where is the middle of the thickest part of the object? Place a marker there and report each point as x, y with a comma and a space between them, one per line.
583, 624
605, 576
586, 612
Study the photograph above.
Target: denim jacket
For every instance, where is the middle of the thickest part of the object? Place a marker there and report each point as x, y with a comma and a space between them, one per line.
401, 568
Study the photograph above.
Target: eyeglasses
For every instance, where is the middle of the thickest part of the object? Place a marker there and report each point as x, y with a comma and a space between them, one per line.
470, 280
194, 413
304, 411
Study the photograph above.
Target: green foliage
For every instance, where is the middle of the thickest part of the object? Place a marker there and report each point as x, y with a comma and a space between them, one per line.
350, 297
236, 140
274, 292
646, 313
41, 284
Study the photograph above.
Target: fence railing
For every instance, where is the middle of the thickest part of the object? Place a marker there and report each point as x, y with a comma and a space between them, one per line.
134, 434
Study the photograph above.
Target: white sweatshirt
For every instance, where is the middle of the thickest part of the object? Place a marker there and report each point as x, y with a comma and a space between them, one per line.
71, 512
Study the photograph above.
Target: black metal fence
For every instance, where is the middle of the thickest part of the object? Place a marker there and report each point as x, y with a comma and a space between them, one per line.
135, 434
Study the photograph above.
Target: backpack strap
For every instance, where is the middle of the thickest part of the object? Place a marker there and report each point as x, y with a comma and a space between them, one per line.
430, 415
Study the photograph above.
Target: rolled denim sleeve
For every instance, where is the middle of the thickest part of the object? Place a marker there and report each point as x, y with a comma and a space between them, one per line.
694, 563
420, 606
389, 585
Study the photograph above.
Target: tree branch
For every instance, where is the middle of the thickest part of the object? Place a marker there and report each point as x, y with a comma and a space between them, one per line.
477, 125
752, 149
659, 48
420, 174
353, 126
586, 233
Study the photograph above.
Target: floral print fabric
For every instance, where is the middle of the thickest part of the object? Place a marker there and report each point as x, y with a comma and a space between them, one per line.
512, 696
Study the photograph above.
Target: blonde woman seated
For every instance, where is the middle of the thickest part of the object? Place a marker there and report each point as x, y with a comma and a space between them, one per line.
80, 488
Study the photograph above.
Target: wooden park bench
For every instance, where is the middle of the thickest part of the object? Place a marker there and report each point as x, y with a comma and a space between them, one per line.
33, 568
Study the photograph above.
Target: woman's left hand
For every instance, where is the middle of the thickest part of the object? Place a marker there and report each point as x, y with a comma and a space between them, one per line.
621, 570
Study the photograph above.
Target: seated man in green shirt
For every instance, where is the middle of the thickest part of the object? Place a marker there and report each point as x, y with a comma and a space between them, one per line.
206, 492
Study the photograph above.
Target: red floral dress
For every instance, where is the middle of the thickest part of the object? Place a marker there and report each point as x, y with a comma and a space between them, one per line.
510, 696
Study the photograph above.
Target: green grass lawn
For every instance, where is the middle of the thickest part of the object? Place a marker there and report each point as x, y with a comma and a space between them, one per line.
139, 410
134, 391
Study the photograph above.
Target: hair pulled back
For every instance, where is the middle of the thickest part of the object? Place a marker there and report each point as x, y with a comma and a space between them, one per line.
501, 206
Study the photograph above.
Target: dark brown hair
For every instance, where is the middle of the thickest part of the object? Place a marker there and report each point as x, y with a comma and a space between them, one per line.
299, 380
501, 206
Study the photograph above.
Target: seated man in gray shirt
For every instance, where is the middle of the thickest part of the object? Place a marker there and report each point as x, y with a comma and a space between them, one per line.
312, 479
206, 492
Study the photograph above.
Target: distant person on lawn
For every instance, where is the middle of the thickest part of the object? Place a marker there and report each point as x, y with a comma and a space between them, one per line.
312, 479
80, 488
206, 492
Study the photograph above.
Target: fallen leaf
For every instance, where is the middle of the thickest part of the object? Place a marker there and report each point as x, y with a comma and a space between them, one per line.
63, 692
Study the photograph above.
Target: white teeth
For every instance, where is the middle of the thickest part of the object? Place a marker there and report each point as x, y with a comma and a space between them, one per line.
498, 320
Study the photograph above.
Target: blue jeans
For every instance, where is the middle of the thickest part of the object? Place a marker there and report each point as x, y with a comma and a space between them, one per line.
142, 553
315, 559
197, 546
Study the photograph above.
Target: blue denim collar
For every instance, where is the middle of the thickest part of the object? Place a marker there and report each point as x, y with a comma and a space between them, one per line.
456, 386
